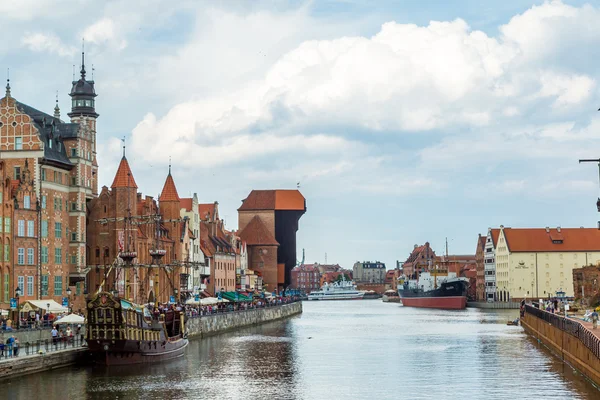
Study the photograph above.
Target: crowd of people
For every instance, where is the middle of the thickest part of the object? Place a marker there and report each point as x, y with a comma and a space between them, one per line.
193, 310
32, 320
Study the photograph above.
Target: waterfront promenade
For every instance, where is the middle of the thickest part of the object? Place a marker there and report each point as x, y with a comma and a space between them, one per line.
46, 354
572, 340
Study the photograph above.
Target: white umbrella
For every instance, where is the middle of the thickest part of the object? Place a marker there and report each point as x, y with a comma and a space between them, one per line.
71, 319
209, 301
191, 301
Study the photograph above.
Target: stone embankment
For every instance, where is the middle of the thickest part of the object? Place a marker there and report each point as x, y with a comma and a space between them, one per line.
568, 339
196, 327
219, 323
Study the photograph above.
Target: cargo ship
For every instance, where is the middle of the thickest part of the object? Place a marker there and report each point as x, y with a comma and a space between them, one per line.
436, 289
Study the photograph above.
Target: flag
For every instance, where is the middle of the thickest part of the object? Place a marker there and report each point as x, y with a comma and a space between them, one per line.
121, 240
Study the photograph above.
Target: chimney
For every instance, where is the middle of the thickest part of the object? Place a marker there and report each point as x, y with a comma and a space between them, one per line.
558, 229
415, 246
547, 229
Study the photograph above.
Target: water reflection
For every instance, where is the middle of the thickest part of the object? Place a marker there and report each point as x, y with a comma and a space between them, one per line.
339, 350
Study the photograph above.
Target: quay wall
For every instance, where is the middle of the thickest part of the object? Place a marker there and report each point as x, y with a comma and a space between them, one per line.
28, 335
23, 365
564, 345
494, 305
218, 323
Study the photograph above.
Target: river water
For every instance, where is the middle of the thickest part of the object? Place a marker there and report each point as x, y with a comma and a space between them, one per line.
338, 350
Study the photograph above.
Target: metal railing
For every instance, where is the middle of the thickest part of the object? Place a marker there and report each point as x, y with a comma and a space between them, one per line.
569, 326
42, 346
30, 326
205, 311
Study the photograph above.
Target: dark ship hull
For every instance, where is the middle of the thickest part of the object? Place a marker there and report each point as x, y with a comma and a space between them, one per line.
126, 352
120, 332
449, 296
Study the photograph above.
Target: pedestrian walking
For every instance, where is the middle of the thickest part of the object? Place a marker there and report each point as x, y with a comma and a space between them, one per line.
9, 345
594, 320
54, 334
16, 347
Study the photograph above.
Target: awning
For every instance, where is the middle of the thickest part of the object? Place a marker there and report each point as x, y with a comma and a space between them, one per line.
231, 296
211, 301
45, 305
71, 319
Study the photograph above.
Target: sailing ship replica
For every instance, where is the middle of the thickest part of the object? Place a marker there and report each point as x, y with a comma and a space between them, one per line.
120, 331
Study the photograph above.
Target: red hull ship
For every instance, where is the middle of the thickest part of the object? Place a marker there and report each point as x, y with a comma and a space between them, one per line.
438, 289
121, 333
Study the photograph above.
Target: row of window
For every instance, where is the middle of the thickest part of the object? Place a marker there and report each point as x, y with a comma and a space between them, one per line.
58, 285
44, 256
82, 103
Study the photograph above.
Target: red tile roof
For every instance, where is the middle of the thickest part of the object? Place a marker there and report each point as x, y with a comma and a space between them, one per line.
206, 211
495, 234
169, 192
542, 240
257, 233
186, 203
274, 200
482, 240
124, 176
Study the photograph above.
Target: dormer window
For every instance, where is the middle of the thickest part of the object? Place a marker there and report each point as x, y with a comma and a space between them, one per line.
558, 241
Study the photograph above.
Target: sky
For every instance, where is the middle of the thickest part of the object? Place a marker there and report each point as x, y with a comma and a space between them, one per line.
402, 121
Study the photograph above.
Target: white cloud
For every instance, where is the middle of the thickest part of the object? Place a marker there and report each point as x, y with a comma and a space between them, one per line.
568, 90
103, 32
47, 42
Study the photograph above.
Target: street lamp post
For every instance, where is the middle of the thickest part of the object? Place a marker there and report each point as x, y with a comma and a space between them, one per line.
175, 293
69, 292
17, 295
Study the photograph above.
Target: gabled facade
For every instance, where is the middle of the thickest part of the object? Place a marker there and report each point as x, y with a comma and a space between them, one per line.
421, 258
219, 252
489, 265
480, 278
49, 171
199, 271
109, 236
539, 262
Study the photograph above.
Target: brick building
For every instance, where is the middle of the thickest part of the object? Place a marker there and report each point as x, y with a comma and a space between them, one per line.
48, 169
219, 248
586, 283
111, 235
305, 278
268, 221
480, 268
421, 258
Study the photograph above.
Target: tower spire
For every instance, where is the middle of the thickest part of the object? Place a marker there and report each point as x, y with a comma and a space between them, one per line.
123, 140
8, 82
169, 165
57, 108
83, 59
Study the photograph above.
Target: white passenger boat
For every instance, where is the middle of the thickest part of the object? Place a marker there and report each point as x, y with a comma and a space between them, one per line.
343, 290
